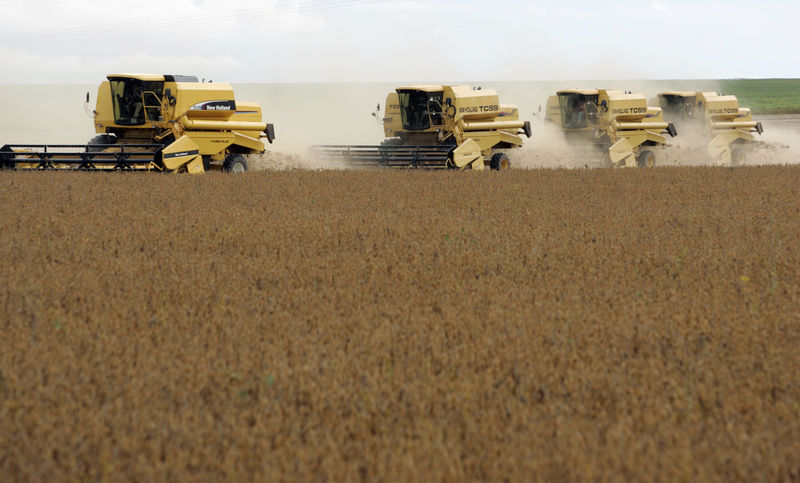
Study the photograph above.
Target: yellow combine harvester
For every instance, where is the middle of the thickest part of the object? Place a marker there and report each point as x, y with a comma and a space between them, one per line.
619, 126
729, 127
152, 122
440, 127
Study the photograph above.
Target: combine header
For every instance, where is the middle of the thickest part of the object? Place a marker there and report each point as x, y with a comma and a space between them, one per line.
440, 127
615, 125
729, 128
150, 122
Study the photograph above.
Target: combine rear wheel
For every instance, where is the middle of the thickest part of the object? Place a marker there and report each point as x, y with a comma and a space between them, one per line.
737, 157
499, 162
101, 139
646, 159
235, 163
392, 142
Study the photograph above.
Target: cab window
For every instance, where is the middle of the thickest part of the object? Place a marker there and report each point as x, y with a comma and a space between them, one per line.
577, 110
136, 102
419, 110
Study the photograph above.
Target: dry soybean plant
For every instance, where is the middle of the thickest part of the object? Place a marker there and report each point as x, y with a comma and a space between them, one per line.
384, 325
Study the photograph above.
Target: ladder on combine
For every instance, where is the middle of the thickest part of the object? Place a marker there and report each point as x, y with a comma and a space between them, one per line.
389, 156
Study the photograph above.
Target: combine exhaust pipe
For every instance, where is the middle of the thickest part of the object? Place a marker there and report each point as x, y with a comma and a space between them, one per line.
491, 125
203, 125
635, 126
736, 125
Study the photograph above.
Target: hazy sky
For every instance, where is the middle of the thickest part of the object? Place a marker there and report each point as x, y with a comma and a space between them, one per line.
80, 41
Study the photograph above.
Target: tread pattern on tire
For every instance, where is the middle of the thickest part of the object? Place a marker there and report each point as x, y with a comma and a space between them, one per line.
232, 160
497, 160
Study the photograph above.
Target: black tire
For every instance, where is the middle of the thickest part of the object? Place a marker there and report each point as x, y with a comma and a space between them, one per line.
6, 158
101, 139
646, 159
500, 162
235, 163
392, 142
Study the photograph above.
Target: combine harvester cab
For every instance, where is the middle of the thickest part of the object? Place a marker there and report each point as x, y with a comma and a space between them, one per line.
439, 127
729, 128
148, 122
615, 125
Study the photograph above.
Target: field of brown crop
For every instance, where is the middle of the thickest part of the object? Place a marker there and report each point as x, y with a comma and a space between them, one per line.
376, 325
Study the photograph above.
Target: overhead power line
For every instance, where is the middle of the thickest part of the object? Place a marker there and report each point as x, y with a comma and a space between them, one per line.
199, 19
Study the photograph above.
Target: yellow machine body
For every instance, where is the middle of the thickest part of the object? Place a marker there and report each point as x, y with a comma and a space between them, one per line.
471, 120
392, 121
183, 124
553, 111
728, 127
621, 124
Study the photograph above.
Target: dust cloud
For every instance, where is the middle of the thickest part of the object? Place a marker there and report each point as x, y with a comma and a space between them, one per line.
284, 161
779, 145
548, 149
781, 140
329, 113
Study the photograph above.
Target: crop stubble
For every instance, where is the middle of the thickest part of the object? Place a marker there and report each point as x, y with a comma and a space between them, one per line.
401, 325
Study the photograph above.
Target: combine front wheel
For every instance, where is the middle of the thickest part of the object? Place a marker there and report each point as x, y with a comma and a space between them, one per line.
6, 158
646, 159
499, 162
737, 157
234, 163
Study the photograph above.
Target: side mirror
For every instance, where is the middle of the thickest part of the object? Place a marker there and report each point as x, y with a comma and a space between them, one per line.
448, 101
87, 98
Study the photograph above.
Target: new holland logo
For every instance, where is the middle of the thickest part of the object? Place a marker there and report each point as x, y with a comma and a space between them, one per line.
631, 110
725, 110
214, 106
473, 109
181, 154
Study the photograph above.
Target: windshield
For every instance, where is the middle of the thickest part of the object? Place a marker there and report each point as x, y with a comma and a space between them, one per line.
420, 110
677, 106
136, 102
578, 110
